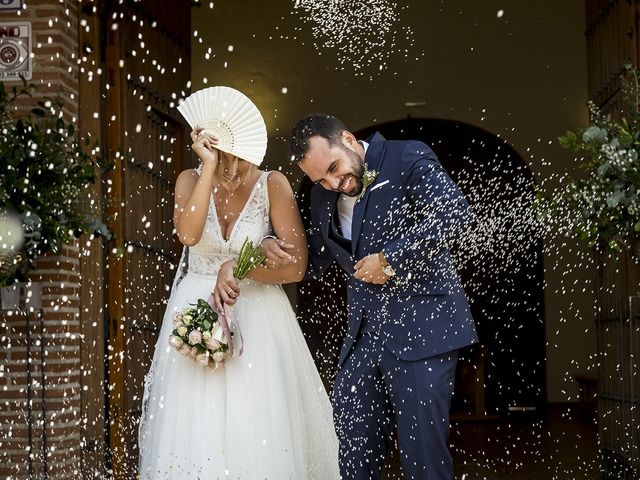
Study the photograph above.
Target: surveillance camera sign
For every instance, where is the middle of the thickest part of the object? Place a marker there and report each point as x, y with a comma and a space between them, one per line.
9, 5
15, 51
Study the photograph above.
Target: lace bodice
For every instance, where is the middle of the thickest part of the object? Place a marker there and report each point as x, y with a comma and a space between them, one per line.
213, 250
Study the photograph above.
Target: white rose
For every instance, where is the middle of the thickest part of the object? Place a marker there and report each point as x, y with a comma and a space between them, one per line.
182, 331
206, 336
176, 342
177, 319
203, 358
195, 337
186, 319
218, 357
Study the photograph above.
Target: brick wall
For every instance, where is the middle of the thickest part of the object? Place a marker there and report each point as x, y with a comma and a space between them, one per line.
54, 35
55, 397
55, 377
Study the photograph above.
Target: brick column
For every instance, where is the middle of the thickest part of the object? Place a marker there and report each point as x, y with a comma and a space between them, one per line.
54, 410
54, 34
54, 377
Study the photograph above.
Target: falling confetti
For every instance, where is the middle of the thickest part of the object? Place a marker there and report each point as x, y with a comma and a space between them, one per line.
504, 240
362, 33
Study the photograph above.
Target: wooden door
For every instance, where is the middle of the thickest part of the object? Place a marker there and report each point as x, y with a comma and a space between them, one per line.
92, 292
612, 42
147, 59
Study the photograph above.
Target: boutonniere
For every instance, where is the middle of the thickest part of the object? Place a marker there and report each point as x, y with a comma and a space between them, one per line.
368, 177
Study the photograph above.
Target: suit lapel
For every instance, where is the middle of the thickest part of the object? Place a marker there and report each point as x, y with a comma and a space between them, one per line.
373, 159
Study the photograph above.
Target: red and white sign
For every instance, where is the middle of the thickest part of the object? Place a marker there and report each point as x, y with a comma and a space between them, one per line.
7, 5
15, 50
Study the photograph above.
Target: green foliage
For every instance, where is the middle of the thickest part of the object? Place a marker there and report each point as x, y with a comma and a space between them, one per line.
602, 208
45, 176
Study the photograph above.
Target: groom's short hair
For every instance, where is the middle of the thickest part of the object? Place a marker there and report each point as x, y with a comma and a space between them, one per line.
317, 124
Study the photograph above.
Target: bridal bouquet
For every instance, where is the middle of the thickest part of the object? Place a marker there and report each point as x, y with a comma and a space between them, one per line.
199, 335
205, 335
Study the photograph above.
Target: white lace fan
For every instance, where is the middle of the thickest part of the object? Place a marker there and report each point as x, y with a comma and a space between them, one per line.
230, 116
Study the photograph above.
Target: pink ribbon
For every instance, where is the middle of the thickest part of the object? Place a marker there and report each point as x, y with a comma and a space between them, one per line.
229, 323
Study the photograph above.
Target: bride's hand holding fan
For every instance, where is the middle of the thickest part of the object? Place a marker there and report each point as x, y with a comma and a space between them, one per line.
231, 118
205, 147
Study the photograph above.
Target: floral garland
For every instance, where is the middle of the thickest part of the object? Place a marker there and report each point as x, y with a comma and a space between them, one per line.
45, 175
603, 207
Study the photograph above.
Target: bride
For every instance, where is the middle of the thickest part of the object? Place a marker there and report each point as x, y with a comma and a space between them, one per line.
266, 414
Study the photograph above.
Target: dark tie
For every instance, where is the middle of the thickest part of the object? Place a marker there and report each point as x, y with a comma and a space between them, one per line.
336, 232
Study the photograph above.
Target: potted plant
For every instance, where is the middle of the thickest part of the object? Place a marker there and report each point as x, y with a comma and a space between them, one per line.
46, 172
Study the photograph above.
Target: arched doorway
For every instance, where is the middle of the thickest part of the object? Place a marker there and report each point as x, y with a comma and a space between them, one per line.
500, 265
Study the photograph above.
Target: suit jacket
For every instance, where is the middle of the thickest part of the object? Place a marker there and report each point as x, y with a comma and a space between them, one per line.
411, 211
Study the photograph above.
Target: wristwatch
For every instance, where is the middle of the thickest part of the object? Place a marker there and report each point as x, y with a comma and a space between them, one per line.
386, 268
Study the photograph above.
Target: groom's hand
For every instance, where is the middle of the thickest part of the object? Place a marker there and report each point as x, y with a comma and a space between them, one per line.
369, 269
277, 253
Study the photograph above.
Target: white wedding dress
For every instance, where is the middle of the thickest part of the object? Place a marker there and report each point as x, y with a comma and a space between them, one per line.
266, 414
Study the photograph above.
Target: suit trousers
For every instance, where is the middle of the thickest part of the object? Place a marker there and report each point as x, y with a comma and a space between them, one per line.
375, 390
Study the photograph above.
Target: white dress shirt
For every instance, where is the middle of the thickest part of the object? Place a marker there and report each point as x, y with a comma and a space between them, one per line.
345, 207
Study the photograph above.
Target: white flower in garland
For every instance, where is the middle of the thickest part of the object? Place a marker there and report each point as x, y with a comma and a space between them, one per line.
596, 134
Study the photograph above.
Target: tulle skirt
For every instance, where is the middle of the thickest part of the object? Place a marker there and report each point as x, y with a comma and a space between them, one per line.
265, 415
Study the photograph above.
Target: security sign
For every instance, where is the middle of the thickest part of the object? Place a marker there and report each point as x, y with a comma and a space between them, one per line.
8, 5
15, 51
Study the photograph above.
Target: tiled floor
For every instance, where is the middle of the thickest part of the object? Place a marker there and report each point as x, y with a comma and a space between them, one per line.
558, 445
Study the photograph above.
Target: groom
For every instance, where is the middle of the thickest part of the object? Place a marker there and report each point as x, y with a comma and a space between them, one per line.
386, 211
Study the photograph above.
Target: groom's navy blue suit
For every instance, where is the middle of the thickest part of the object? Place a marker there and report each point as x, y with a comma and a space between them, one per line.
398, 360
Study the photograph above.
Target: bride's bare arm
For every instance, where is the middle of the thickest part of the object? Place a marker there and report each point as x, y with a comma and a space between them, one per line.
193, 191
287, 226
192, 196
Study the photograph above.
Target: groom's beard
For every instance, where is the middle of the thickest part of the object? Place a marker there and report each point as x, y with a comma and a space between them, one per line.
357, 170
